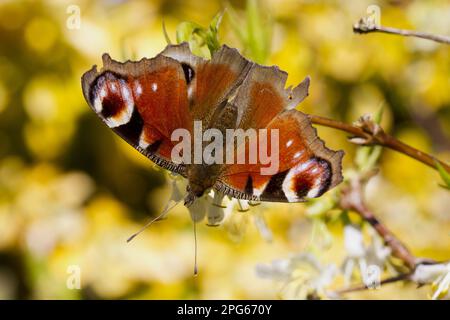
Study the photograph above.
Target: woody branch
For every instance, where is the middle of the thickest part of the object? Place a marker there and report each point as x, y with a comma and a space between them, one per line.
420, 270
364, 26
353, 199
366, 132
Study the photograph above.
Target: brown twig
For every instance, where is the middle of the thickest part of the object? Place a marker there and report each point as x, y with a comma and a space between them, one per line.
401, 277
363, 26
367, 132
353, 199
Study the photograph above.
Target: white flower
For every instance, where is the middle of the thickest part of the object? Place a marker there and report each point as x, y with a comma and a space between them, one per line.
278, 270
438, 275
377, 253
303, 276
216, 207
261, 225
238, 214
236, 219
369, 260
209, 206
198, 208
178, 186
216, 211
353, 241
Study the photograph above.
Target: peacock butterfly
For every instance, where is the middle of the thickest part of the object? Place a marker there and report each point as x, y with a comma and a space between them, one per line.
145, 102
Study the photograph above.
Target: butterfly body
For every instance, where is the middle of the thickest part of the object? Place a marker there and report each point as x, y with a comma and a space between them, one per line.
201, 177
145, 102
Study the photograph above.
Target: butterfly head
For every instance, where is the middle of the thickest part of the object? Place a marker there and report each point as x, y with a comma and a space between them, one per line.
198, 184
193, 191
201, 178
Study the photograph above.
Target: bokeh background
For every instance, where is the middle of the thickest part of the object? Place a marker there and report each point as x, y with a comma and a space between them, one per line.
71, 192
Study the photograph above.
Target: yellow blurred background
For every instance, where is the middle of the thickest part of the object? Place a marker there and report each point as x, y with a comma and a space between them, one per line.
71, 192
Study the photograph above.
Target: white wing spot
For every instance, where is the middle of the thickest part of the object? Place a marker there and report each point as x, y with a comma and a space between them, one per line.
289, 143
137, 89
126, 94
190, 92
142, 141
298, 154
154, 86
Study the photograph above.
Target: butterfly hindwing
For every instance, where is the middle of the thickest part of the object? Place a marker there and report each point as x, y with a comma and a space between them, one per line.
263, 95
306, 168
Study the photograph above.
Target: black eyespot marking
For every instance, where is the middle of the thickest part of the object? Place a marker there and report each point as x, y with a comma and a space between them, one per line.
131, 131
154, 146
99, 82
112, 105
249, 185
188, 72
302, 185
305, 181
274, 187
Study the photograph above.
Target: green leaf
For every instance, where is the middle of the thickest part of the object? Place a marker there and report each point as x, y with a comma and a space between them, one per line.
367, 157
239, 27
212, 35
379, 114
185, 31
195, 35
202, 41
258, 32
373, 157
345, 217
445, 175
253, 31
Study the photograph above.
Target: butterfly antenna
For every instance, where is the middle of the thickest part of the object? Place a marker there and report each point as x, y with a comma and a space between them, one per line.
148, 224
195, 250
